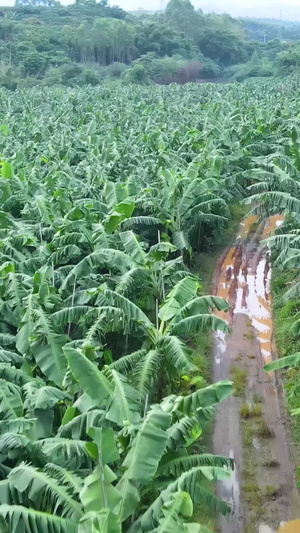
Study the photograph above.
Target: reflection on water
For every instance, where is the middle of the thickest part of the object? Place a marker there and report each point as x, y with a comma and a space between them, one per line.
247, 286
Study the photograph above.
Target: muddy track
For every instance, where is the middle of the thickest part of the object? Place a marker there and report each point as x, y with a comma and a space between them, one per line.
251, 426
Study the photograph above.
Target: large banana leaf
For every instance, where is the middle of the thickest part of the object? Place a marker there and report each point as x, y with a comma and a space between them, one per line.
65, 477
292, 258
91, 380
189, 482
179, 504
7, 356
11, 404
284, 362
176, 463
146, 372
200, 399
185, 431
48, 349
121, 212
182, 293
127, 363
98, 491
114, 193
277, 199
132, 246
40, 485
198, 323
132, 311
125, 403
172, 522
103, 521
103, 258
17, 517
69, 453
14, 375
181, 241
176, 352
25, 332
148, 447
133, 278
201, 305
42, 397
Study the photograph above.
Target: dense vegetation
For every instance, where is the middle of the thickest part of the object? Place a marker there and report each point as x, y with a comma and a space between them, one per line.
106, 194
276, 190
88, 42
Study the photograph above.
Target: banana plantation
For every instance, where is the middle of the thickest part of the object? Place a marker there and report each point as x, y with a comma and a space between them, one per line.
107, 196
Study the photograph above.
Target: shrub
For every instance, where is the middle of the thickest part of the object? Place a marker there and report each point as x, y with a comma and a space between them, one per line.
91, 77
34, 63
137, 74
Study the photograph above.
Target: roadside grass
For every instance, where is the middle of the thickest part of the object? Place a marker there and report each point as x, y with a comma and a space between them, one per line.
251, 492
257, 398
239, 378
271, 462
248, 411
271, 491
248, 434
249, 335
262, 430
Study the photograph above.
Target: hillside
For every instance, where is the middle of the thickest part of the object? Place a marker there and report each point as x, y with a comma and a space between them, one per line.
89, 42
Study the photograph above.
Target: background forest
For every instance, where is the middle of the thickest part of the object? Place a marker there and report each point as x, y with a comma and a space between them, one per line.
43, 42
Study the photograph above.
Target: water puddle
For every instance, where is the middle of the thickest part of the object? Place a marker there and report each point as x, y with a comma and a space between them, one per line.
245, 282
246, 227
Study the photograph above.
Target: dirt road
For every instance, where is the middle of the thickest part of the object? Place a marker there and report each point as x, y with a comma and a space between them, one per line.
252, 426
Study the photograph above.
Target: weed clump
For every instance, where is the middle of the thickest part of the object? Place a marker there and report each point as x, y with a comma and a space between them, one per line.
263, 430
271, 491
248, 435
257, 398
248, 411
239, 378
271, 462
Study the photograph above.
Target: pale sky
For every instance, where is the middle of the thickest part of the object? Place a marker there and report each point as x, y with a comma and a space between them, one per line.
289, 9
154, 4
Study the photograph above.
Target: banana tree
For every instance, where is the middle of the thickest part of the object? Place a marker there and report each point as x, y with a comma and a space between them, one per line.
290, 361
162, 349
182, 314
183, 201
128, 451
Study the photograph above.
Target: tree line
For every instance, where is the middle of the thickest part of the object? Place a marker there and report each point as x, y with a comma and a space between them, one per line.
44, 42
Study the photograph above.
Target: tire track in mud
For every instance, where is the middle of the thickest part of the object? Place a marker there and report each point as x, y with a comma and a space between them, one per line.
262, 490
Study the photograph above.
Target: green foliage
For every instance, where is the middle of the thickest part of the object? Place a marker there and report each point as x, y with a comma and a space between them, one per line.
137, 74
45, 43
98, 304
239, 378
288, 61
103, 205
